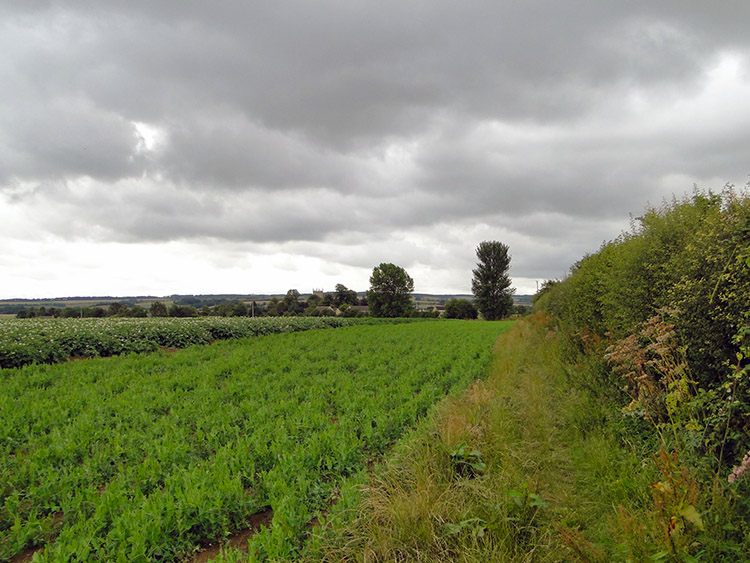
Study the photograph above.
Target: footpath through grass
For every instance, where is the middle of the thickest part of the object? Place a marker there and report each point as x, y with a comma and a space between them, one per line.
522, 467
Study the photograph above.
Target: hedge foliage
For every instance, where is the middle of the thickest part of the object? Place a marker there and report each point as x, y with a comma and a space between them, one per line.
677, 286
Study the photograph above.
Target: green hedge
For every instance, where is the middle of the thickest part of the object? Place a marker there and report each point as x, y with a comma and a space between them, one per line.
686, 263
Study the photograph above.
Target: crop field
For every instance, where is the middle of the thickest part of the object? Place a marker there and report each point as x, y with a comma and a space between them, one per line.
156, 456
46, 341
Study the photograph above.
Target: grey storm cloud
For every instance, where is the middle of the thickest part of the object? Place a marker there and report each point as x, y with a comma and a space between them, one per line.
233, 153
326, 122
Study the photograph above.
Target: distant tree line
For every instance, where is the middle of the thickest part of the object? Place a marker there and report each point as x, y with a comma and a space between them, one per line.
343, 301
390, 295
112, 310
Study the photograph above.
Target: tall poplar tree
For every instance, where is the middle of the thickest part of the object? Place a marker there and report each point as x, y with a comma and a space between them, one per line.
491, 283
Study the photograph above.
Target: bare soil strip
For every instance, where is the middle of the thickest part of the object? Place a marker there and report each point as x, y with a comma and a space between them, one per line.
238, 540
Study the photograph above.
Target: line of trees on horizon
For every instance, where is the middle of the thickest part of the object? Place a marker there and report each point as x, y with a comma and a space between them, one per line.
341, 302
389, 295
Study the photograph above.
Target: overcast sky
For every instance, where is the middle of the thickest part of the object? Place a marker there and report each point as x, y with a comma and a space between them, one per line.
152, 147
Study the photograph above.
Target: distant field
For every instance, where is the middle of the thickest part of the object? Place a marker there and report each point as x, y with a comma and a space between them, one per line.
48, 340
154, 457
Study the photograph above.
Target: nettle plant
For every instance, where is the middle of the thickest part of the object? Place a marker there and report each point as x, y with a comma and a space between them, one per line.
467, 462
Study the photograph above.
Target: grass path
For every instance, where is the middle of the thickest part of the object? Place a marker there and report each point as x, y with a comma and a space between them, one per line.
559, 485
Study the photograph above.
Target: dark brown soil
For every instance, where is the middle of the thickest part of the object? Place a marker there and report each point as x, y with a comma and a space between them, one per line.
239, 539
26, 555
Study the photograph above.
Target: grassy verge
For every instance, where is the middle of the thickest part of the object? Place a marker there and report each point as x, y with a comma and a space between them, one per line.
522, 467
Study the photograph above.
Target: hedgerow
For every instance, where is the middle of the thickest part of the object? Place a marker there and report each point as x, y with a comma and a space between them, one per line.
660, 323
684, 263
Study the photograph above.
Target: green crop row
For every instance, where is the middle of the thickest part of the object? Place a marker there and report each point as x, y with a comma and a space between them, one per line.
46, 341
149, 457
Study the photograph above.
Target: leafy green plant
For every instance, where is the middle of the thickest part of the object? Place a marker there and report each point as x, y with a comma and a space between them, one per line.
524, 499
675, 498
467, 462
522, 512
474, 526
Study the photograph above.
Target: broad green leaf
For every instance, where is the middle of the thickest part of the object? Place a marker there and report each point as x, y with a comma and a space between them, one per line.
690, 514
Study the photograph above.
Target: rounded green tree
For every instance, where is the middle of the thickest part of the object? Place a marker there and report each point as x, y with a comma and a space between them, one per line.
390, 292
491, 283
158, 309
460, 309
